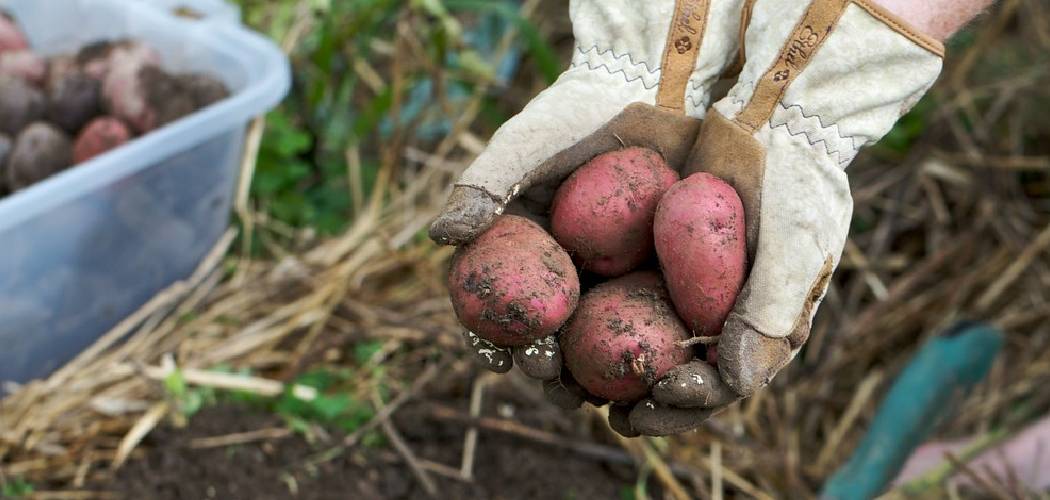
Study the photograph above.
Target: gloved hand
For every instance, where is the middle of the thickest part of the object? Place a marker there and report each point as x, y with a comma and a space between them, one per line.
640, 76
821, 80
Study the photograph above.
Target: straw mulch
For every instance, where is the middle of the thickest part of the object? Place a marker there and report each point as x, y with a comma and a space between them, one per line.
956, 227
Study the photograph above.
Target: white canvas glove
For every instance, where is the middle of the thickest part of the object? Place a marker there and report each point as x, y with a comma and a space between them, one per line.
641, 75
822, 79
626, 52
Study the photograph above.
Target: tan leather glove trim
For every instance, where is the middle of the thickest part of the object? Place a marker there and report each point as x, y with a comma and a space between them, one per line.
681, 52
639, 124
903, 27
800, 333
809, 34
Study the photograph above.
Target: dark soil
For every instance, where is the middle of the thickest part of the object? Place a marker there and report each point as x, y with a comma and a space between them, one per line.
506, 467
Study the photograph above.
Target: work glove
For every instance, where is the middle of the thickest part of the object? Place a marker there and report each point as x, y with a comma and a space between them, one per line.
641, 75
821, 80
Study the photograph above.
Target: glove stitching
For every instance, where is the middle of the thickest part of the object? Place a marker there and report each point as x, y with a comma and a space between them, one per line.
833, 128
690, 96
593, 65
736, 96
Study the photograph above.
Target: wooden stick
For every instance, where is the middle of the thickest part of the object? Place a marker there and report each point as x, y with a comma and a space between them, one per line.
1008, 277
232, 382
240, 438
406, 452
834, 442
394, 405
585, 449
470, 440
142, 427
716, 470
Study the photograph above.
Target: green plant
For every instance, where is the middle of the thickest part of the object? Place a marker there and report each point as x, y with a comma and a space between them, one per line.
188, 400
16, 488
353, 102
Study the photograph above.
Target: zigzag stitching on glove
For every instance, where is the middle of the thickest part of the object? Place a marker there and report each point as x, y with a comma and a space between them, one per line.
589, 64
696, 105
737, 100
695, 88
599, 52
821, 122
840, 159
834, 129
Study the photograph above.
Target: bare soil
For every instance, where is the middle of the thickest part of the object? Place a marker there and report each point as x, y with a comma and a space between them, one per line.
506, 466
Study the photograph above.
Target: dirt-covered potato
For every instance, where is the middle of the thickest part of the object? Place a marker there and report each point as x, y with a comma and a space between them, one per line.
203, 89
39, 151
624, 337
100, 58
101, 135
5, 149
73, 100
702, 248
603, 213
23, 64
20, 105
513, 284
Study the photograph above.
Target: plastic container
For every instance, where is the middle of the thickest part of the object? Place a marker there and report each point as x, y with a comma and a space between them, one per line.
84, 249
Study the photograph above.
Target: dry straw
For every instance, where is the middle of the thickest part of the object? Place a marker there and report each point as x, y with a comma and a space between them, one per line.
957, 227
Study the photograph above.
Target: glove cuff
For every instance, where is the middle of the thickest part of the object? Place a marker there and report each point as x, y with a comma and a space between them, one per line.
841, 75
673, 51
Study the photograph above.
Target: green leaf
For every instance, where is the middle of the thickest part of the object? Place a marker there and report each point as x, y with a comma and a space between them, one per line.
297, 425
364, 351
16, 488
476, 66
192, 403
175, 384
328, 408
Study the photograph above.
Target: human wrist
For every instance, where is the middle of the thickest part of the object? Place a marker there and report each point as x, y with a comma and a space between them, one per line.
939, 19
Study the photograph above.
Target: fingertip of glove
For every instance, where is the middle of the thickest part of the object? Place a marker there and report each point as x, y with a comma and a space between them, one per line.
490, 357
620, 421
696, 384
560, 395
652, 418
468, 212
748, 360
539, 360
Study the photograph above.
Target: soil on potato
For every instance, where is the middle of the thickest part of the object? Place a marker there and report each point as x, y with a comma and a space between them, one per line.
506, 467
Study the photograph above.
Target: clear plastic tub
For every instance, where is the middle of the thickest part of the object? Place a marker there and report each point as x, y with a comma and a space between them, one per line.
85, 248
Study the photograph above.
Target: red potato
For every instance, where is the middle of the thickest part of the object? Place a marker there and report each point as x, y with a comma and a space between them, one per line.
603, 213
5, 149
98, 59
101, 135
124, 95
203, 89
73, 99
151, 98
624, 337
25, 65
20, 105
40, 151
59, 66
11, 37
513, 284
700, 241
